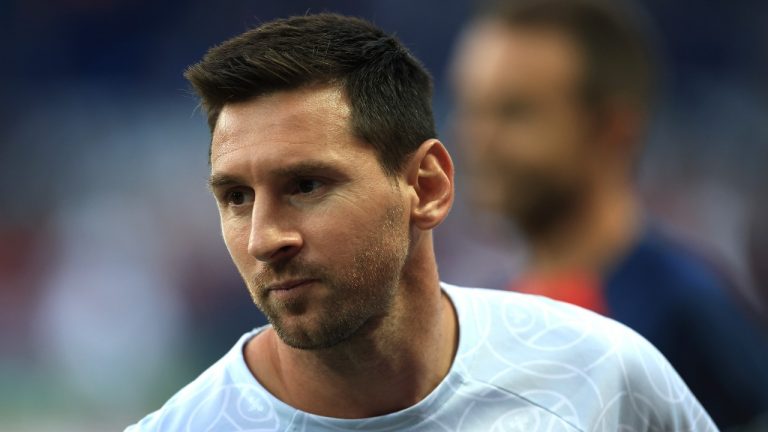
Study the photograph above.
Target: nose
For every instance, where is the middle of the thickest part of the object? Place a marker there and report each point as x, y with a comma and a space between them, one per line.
271, 238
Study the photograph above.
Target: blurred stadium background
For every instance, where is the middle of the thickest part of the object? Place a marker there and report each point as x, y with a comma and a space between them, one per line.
115, 287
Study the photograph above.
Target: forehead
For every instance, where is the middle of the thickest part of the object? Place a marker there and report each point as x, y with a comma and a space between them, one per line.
493, 56
282, 121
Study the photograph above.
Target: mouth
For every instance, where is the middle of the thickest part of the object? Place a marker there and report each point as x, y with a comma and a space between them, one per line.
290, 292
288, 285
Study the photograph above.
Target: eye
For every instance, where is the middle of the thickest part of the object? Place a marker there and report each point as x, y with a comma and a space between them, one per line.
237, 197
307, 186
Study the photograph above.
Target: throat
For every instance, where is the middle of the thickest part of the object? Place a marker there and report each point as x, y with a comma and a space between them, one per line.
371, 375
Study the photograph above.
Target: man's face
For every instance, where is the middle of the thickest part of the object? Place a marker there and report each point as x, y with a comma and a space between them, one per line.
524, 130
316, 228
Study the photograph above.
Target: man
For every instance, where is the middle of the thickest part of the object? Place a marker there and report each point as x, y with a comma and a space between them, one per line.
329, 182
552, 98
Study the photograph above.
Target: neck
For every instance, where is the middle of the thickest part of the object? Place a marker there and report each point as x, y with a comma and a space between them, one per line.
388, 365
590, 239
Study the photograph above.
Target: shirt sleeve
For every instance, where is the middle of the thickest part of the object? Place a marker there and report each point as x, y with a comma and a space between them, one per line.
655, 398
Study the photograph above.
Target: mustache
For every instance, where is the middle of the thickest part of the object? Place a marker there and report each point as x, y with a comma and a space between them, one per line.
294, 269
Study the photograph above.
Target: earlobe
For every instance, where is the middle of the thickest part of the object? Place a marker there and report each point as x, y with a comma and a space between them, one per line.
430, 174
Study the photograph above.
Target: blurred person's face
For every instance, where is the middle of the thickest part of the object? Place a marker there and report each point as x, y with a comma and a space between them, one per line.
316, 228
521, 123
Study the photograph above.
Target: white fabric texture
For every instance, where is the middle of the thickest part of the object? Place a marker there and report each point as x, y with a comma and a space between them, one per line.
524, 363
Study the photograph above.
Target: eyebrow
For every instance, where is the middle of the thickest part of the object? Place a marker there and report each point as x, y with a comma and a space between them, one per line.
221, 180
304, 168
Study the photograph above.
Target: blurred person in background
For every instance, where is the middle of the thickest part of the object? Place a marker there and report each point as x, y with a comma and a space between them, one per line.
757, 244
758, 260
553, 97
329, 182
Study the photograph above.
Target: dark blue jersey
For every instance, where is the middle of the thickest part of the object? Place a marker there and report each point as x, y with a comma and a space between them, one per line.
689, 311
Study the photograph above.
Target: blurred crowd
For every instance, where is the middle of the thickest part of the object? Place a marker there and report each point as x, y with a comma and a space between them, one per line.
115, 286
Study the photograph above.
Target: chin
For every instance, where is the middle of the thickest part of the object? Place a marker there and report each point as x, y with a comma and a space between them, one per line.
310, 334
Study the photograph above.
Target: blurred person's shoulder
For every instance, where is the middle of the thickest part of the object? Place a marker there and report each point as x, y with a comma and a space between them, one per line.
222, 393
675, 265
586, 368
669, 282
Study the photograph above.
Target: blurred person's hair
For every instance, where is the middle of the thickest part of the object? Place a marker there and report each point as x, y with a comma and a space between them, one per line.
617, 60
389, 92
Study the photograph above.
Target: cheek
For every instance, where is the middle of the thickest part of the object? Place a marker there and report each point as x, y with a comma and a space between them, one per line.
332, 232
235, 237
339, 232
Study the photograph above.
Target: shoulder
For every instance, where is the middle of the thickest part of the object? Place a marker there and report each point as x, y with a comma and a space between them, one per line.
668, 291
526, 326
494, 316
225, 396
671, 268
582, 366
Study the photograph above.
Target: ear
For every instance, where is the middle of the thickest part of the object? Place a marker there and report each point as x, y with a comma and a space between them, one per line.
429, 174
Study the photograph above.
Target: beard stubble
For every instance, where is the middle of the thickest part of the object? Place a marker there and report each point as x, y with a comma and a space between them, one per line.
357, 292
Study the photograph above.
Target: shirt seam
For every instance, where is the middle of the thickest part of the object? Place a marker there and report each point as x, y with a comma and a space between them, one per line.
536, 404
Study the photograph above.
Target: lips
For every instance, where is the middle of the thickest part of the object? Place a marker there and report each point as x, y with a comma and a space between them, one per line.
288, 285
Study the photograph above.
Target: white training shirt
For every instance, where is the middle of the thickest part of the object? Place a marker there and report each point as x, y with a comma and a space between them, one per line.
524, 363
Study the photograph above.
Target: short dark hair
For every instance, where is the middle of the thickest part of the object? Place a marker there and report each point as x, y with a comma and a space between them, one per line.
388, 90
615, 46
